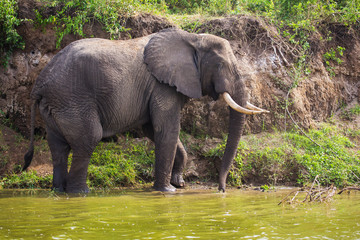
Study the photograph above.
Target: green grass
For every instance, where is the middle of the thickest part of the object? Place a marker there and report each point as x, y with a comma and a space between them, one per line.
267, 158
351, 113
28, 180
288, 158
126, 163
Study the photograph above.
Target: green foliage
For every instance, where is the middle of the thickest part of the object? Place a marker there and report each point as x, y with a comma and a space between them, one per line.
295, 157
128, 162
212, 7
27, 179
296, 19
333, 162
125, 163
9, 37
351, 113
333, 56
74, 14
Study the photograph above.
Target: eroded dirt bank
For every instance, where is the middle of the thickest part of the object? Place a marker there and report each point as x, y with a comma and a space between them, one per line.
266, 62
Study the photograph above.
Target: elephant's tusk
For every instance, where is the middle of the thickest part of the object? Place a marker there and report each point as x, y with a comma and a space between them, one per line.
252, 107
238, 108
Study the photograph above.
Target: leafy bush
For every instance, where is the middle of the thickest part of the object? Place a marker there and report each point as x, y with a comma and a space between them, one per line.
334, 162
74, 14
296, 157
27, 179
9, 37
351, 113
128, 162
121, 164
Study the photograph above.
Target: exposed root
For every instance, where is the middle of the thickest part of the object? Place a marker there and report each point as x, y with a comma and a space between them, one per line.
312, 195
349, 189
315, 193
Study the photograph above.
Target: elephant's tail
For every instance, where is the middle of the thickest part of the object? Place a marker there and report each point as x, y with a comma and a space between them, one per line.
30, 153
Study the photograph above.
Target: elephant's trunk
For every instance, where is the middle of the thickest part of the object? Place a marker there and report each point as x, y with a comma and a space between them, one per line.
236, 125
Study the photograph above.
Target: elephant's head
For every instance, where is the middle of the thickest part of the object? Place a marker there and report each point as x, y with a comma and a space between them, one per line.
198, 65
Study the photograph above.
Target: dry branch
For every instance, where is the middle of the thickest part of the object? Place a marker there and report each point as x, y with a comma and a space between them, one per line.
349, 189
314, 194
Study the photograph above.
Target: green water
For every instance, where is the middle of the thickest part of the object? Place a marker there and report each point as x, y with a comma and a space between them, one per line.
187, 214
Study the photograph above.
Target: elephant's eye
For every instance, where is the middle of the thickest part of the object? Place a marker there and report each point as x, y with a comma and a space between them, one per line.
220, 65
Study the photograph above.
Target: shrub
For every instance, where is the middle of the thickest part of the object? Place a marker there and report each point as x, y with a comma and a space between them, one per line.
285, 157
125, 163
9, 37
28, 179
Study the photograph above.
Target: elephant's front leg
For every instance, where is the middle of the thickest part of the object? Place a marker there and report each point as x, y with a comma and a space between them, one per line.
165, 110
177, 179
165, 148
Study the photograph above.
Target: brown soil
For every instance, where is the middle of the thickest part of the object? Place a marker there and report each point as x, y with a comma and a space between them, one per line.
13, 148
265, 61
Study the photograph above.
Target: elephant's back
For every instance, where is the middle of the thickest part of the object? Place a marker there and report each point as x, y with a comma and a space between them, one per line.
89, 56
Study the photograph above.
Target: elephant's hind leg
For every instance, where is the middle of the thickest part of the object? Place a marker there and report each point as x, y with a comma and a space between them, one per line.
60, 151
83, 143
76, 181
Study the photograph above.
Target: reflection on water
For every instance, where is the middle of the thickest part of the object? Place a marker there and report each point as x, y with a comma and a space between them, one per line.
183, 215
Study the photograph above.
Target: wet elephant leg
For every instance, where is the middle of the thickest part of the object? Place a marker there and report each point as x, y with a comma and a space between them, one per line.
179, 165
165, 108
180, 158
83, 141
165, 148
60, 151
76, 181
78, 173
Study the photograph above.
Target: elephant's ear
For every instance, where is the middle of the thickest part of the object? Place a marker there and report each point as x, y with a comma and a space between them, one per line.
171, 57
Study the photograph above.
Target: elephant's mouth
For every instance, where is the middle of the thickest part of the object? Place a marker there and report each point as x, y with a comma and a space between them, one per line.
248, 109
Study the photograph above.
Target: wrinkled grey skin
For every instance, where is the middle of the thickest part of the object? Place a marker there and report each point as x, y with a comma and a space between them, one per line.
95, 88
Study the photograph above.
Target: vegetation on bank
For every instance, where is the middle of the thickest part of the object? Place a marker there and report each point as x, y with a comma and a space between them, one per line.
9, 37
296, 20
126, 162
271, 158
290, 157
268, 158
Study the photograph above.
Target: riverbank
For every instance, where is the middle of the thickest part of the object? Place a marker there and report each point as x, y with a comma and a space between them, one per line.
329, 151
298, 60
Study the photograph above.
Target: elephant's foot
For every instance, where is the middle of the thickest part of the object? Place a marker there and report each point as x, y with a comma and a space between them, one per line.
168, 188
58, 189
77, 189
177, 180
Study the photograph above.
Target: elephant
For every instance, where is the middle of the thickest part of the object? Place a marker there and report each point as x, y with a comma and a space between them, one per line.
95, 88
